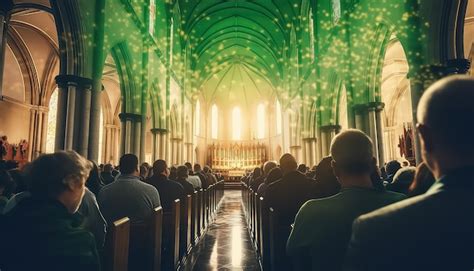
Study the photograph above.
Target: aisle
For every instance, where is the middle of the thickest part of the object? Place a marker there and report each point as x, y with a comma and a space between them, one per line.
226, 245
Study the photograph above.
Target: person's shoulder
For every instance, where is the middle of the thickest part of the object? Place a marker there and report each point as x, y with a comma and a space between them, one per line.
399, 211
395, 195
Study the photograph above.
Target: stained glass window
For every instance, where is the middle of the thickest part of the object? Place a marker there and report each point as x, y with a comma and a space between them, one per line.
278, 117
336, 10
197, 119
261, 121
51, 129
236, 123
215, 122
152, 17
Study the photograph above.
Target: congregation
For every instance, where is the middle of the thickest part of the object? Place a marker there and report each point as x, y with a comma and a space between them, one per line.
343, 214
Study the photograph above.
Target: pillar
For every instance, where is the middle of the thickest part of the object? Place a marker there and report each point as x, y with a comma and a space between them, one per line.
159, 142
310, 151
377, 108
73, 129
131, 130
38, 131
328, 132
5, 9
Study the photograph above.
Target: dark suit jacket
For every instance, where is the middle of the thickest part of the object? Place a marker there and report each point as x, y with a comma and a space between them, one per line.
188, 188
204, 181
255, 183
168, 190
434, 231
287, 195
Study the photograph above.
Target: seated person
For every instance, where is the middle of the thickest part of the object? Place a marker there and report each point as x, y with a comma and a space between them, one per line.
211, 178
323, 226
269, 165
128, 196
6, 188
433, 231
181, 178
402, 180
286, 197
106, 174
274, 175
94, 221
422, 181
169, 190
45, 227
202, 176
193, 179
391, 169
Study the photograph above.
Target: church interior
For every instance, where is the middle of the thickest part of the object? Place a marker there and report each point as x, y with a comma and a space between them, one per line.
228, 85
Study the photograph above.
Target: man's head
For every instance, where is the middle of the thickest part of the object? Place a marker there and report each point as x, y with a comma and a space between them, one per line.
182, 172
288, 163
302, 168
62, 176
129, 165
268, 166
352, 154
392, 167
160, 168
445, 114
108, 168
207, 169
188, 166
197, 168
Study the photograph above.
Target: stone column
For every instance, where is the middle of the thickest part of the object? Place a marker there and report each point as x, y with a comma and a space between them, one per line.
73, 122
328, 132
310, 151
136, 138
159, 143
360, 116
375, 121
5, 9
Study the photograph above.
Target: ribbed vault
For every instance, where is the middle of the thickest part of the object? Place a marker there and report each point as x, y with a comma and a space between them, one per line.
250, 37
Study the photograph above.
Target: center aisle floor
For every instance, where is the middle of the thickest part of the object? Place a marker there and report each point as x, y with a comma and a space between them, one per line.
226, 245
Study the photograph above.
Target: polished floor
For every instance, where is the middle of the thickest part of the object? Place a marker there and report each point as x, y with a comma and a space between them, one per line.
226, 245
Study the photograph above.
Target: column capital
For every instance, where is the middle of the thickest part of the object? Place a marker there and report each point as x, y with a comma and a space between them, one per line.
177, 139
375, 106
130, 116
330, 128
309, 139
65, 80
159, 131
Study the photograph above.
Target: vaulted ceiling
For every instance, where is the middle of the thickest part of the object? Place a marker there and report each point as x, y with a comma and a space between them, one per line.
239, 37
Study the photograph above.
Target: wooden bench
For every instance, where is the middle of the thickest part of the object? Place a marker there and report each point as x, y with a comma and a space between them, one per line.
115, 256
146, 243
185, 227
171, 231
278, 236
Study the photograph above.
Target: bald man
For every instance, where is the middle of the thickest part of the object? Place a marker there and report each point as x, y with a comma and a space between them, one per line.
323, 226
434, 231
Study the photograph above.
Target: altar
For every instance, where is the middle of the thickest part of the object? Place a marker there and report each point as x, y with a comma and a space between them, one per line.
233, 159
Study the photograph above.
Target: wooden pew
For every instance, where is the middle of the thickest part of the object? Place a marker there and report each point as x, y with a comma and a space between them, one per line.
185, 227
194, 218
115, 257
264, 236
171, 231
278, 236
257, 222
146, 243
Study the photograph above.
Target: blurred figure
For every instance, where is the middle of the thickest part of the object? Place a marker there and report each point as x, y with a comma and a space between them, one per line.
106, 174
392, 168
326, 181
274, 176
181, 178
94, 182
169, 190
173, 173
402, 180
433, 231
422, 182
44, 226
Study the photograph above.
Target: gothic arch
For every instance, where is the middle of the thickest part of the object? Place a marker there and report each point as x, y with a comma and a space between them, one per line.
123, 63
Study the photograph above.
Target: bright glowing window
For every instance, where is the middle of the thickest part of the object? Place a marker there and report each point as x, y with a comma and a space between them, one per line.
311, 34
278, 117
236, 123
52, 115
215, 122
152, 17
101, 136
336, 10
261, 121
171, 41
197, 119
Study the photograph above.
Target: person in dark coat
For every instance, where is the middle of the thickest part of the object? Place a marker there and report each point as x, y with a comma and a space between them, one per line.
169, 190
44, 232
433, 231
182, 174
202, 176
106, 174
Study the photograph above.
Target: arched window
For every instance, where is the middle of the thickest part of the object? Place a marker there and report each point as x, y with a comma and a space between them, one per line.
336, 10
101, 136
52, 116
215, 122
278, 117
261, 121
311, 34
197, 119
152, 17
171, 41
236, 123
